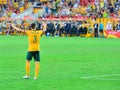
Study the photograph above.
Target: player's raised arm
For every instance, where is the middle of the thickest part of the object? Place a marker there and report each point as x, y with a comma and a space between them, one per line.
17, 29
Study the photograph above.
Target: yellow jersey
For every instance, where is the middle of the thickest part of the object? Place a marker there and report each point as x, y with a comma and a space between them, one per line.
33, 40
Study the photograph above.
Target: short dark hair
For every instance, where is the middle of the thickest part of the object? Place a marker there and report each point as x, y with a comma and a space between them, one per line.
33, 25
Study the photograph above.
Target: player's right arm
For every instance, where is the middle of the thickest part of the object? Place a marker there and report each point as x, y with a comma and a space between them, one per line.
17, 29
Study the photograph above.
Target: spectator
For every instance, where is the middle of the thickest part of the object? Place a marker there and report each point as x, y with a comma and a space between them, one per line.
50, 28
74, 30
101, 28
83, 30
57, 28
118, 26
0, 26
67, 28
109, 26
96, 29
13, 14
102, 4
62, 30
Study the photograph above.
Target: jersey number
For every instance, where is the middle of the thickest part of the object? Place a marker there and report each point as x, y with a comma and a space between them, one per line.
35, 39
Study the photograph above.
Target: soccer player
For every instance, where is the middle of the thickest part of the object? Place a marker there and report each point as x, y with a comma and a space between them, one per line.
33, 49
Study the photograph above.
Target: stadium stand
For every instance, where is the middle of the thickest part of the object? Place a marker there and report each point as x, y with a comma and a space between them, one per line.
80, 14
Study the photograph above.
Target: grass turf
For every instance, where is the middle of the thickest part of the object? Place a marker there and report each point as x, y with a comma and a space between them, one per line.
63, 61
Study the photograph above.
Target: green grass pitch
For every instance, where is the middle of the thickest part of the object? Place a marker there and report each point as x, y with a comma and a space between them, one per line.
67, 63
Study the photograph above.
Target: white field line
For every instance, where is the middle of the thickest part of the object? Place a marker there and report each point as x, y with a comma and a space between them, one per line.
106, 79
101, 77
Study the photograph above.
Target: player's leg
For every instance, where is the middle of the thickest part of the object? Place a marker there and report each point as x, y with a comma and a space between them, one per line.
37, 68
27, 66
37, 64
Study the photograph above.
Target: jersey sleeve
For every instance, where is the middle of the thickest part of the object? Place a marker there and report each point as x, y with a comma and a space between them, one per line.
27, 32
40, 32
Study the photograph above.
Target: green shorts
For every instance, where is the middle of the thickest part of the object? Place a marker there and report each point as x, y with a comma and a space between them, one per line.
34, 54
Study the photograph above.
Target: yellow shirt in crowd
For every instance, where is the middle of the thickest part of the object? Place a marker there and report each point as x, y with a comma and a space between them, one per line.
33, 40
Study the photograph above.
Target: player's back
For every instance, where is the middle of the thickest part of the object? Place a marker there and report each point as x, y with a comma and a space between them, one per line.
34, 40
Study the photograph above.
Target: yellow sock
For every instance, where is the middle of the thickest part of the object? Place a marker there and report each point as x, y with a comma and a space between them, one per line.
27, 68
37, 68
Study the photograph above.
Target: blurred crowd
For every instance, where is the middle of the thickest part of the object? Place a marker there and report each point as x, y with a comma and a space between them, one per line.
90, 8
11, 8
62, 8
100, 16
63, 28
